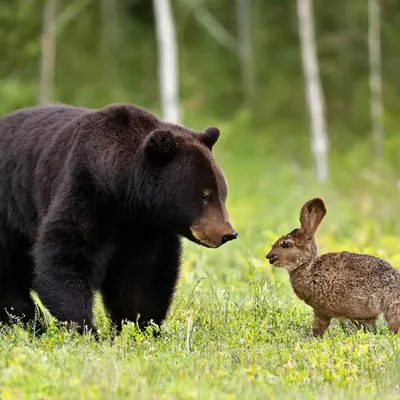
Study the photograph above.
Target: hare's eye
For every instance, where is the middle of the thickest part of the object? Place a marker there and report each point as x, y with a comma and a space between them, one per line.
206, 195
285, 244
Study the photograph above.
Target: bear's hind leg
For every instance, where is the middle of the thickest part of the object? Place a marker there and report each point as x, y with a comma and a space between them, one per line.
16, 269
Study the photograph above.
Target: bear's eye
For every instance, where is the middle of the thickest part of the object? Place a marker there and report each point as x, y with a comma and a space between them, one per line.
206, 195
285, 244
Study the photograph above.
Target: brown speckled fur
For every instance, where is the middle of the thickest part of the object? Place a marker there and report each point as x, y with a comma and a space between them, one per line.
342, 285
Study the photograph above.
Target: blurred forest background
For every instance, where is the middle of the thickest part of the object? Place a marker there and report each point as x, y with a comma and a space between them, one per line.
106, 51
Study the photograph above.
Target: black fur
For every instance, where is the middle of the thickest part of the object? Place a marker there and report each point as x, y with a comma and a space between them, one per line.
96, 200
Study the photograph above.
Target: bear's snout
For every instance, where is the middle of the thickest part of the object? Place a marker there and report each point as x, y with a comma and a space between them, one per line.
208, 234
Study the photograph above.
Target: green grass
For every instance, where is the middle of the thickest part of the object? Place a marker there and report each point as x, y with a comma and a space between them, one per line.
236, 330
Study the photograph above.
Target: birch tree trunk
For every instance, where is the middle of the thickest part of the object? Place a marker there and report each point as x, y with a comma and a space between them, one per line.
243, 17
314, 93
48, 53
167, 60
108, 45
375, 80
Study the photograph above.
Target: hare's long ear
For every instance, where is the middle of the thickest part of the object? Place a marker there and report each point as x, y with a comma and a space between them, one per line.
311, 216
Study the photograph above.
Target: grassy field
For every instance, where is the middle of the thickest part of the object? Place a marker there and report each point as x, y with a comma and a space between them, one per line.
236, 330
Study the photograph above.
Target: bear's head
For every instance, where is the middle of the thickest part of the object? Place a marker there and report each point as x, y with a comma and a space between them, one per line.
181, 186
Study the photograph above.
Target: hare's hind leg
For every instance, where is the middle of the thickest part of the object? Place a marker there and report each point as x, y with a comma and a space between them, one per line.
320, 324
392, 317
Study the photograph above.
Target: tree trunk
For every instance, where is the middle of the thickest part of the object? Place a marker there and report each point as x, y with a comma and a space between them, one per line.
48, 54
375, 80
167, 60
108, 45
314, 93
243, 19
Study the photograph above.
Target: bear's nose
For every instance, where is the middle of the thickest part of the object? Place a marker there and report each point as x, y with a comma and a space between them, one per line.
229, 237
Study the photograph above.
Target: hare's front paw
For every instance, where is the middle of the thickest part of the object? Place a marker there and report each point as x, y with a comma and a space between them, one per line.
320, 325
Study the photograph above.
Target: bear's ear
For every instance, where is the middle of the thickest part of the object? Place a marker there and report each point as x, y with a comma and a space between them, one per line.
161, 144
210, 136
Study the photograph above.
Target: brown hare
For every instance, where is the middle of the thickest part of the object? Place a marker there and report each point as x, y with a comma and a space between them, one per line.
344, 285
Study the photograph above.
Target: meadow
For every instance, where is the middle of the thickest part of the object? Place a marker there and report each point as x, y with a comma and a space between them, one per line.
236, 329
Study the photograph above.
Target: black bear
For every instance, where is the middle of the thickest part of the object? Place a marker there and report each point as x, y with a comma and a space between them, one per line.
97, 200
